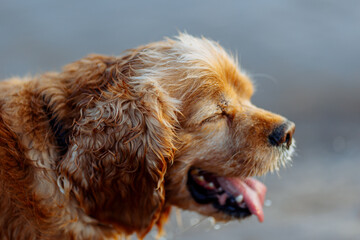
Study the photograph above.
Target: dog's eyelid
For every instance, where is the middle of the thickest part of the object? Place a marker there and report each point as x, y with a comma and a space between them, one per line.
212, 118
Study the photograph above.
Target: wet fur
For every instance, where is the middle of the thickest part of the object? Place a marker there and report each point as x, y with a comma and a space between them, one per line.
102, 148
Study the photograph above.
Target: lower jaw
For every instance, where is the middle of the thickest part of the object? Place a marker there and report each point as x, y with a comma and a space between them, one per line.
227, 211
231, 211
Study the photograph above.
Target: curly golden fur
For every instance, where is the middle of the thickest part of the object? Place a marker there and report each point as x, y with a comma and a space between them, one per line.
103, 148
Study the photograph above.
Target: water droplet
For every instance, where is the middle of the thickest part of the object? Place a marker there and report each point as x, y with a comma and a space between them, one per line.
212, 221
179, 218
267, 203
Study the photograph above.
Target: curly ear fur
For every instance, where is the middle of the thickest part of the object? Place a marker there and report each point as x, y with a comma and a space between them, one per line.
120, 143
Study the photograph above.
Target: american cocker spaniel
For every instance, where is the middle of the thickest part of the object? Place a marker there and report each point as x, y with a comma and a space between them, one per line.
107, 146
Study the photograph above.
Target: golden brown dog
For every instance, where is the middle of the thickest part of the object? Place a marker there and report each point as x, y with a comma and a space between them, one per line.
109, 144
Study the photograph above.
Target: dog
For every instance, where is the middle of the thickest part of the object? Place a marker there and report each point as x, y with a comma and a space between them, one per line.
105, 147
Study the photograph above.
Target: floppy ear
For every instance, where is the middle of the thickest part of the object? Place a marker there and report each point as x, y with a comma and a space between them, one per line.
120, 145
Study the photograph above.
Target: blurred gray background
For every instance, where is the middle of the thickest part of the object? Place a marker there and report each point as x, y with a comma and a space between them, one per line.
304, 57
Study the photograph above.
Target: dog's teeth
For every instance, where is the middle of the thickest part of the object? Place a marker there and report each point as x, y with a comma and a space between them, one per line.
267, 203
220, 189
243, 205
239, 198
211, 185
200, 178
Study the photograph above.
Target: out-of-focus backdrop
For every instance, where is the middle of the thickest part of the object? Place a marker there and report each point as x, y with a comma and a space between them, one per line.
304, 57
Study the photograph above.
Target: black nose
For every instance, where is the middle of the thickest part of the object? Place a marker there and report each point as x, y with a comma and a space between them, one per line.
282, 134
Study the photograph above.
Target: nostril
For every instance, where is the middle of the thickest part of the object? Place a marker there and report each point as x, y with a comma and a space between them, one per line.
288, 139
276, 137
282, 134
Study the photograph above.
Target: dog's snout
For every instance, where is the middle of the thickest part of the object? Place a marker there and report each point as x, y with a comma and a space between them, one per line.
282, 134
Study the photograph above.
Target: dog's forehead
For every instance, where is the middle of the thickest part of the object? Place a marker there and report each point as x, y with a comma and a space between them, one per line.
240, 84
229, 83
221, 67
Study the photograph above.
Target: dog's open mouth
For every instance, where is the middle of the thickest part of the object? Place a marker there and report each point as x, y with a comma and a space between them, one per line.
237, 197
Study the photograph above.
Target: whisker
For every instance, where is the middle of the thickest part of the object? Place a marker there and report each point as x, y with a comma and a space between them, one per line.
264, 76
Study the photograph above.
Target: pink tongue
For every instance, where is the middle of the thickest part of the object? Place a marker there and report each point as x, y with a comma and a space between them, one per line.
252, 190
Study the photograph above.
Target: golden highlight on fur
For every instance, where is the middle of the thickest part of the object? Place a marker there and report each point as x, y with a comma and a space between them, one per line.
102, 149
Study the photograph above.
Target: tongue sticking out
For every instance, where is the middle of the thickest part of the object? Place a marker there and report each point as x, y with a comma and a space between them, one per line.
252, 190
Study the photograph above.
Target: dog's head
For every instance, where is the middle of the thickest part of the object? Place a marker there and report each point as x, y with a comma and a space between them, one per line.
223, 139
168, 123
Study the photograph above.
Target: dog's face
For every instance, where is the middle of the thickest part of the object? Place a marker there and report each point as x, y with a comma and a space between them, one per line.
224, 140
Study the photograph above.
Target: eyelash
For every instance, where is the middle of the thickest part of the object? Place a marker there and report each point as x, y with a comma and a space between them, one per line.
213, 118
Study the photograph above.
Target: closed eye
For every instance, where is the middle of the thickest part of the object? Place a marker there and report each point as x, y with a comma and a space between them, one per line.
213, 118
